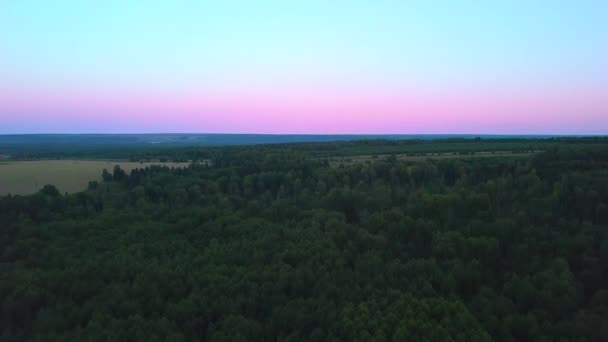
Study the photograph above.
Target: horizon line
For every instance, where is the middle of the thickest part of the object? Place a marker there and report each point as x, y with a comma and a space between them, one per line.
322, 134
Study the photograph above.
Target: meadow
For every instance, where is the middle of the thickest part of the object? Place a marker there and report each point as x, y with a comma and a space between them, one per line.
27, 177
342, 161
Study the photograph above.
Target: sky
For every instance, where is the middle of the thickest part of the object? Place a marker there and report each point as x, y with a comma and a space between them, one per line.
315, 66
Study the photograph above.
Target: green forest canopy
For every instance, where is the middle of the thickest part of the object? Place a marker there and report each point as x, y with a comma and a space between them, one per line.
270, 243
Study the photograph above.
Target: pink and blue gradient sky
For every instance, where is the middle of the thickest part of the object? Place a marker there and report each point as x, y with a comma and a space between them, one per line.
491, 67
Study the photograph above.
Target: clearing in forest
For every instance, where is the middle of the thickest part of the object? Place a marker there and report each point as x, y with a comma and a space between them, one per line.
337, 161
27, 177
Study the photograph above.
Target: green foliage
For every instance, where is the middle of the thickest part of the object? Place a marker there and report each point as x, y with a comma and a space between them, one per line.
271, 243
50, 190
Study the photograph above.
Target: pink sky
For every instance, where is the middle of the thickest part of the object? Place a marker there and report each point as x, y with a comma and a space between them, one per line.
322, 111
318, 66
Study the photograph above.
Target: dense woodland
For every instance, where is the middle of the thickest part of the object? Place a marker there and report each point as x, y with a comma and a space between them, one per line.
271, 243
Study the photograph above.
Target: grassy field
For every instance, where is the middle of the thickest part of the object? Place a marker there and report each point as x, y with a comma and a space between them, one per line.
26, 177
337, 161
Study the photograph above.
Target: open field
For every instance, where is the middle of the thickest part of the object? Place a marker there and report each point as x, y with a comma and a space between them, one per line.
337, 161
26, 177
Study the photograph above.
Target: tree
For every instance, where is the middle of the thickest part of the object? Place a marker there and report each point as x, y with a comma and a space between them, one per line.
119, 174
106, 176
50, 190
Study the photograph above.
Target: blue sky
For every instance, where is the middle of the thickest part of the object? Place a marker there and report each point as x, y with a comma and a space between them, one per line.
196, 46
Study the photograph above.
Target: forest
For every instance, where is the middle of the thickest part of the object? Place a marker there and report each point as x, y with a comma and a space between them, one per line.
272, 243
